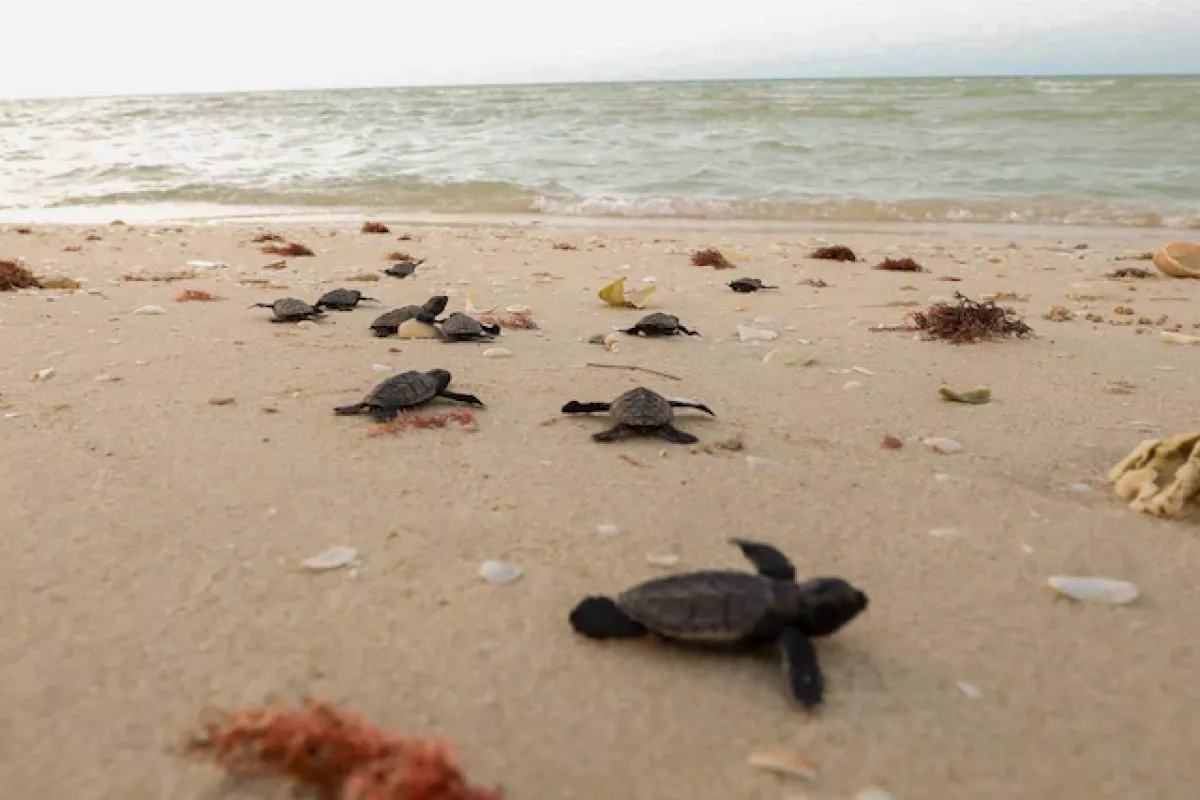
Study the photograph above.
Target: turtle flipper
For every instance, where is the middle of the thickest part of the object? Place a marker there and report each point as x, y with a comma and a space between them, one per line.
349, 411
469, 399
634, 331
372, 299
602, 618
697, 406
383, 333
769, 562
687, 331
491, 330
382, 414
576, 407
805, 681
611, 435
676, 436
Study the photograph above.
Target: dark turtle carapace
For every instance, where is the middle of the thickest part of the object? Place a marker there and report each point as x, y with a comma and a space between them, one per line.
342, 299
388, 323
658, 324
406, 390
289, 309
738, 610
402, 269
640, 411
458, 327
744, 285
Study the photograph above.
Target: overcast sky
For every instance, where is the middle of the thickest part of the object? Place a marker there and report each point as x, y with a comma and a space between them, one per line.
67, 47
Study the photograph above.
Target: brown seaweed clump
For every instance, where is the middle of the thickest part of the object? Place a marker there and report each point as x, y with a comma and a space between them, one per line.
837, 252
712, 257
965, 321
290, 250
263, 238
14, 275
397, 255
375, 227
563, 246
335, 754
419, 420
59, 282
900, 265
1130, 272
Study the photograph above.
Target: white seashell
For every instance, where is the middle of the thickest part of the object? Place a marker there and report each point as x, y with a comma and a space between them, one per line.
790, 357
862, 371
969, 689
784, 762
608, 529
150, 310
1099, 590
755, 335
852, 385
649, 280
1178, 338
333, 558
43, 374
206, 264
497, 352
662, 559
946, 447
381, 368
758, 462
106, 378
499, 572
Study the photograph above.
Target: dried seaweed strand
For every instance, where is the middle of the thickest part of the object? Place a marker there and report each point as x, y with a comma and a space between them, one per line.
635, 368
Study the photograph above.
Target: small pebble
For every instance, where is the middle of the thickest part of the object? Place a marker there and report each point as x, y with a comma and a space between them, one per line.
499, 572
608, 529
758, 462
497, 352
333, 558
150, 310
1098, 590
946, 447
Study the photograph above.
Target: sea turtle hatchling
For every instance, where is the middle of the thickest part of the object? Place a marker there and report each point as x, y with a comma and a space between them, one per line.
406, 390
640, 411
289, 309
402, 269
745, 285
342, 299
388, 323
658, 324
458, 327
736, 610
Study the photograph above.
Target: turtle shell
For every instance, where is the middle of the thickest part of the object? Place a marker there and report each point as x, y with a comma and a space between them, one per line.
641, 408
397, 316
459, 325
711, 606
745, 284
660, 322
404, 390
290, 307
340, 298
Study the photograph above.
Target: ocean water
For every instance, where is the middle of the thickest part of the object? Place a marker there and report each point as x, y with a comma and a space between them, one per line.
1085, 151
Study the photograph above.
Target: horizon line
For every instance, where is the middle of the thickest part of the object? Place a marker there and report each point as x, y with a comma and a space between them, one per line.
604, 82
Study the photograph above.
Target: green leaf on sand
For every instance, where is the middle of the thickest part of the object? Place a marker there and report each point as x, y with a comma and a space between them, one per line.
975, 397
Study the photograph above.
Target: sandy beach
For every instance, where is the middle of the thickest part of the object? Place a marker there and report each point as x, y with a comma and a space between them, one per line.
154, 541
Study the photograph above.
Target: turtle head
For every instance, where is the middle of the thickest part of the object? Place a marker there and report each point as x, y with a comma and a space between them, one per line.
436, 304
442, 377
821, 606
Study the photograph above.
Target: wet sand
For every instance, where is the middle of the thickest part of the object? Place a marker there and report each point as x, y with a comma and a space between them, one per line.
153, 542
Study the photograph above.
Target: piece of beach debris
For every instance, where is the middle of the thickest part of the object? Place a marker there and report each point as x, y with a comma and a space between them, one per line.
276, 265
43, 374
1119, 387
758, 463
160, 277
1179, 260
1178, 338
816, 283
1004, 297
790, 357
965, 321
874, 793
1095, 590
563, 246
333, 558
221, 401
784, 762
664, 560
1161, 477
331, 754
24, 230
417, 420
1137, 273
59, 282
615, 294
969, 689
835, 252
748, 334
198, 295
263, 238
711, 257
150, 311
900, 265
891, 442
972, 396
289, 250
948, 278
375, 227
73, 248
1147, 256
499, 572
734, 444
381, 368
1059, 314
946, 447
106, 378
608, 529
497, 352
365, 277
15, 275
397, 255
517, 321
196, 264
853, 385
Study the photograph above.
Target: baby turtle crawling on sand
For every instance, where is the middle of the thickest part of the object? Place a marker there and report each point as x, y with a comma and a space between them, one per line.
342, 299
387, 324
406, 390
402, 269
458, 327
289, 309
640, 411
658, 324
744, 285
738, 610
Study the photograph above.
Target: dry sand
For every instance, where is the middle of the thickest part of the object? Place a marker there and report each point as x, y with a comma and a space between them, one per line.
152, 541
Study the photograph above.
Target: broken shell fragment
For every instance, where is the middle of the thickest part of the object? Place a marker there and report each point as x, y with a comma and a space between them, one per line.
1178, 338
333, 558
747, 334
43, 374
499, 572
497, 352
789, 357
150, 310
1096, 590
973, 396
615, 295
784, 762
662, 559
946, 447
